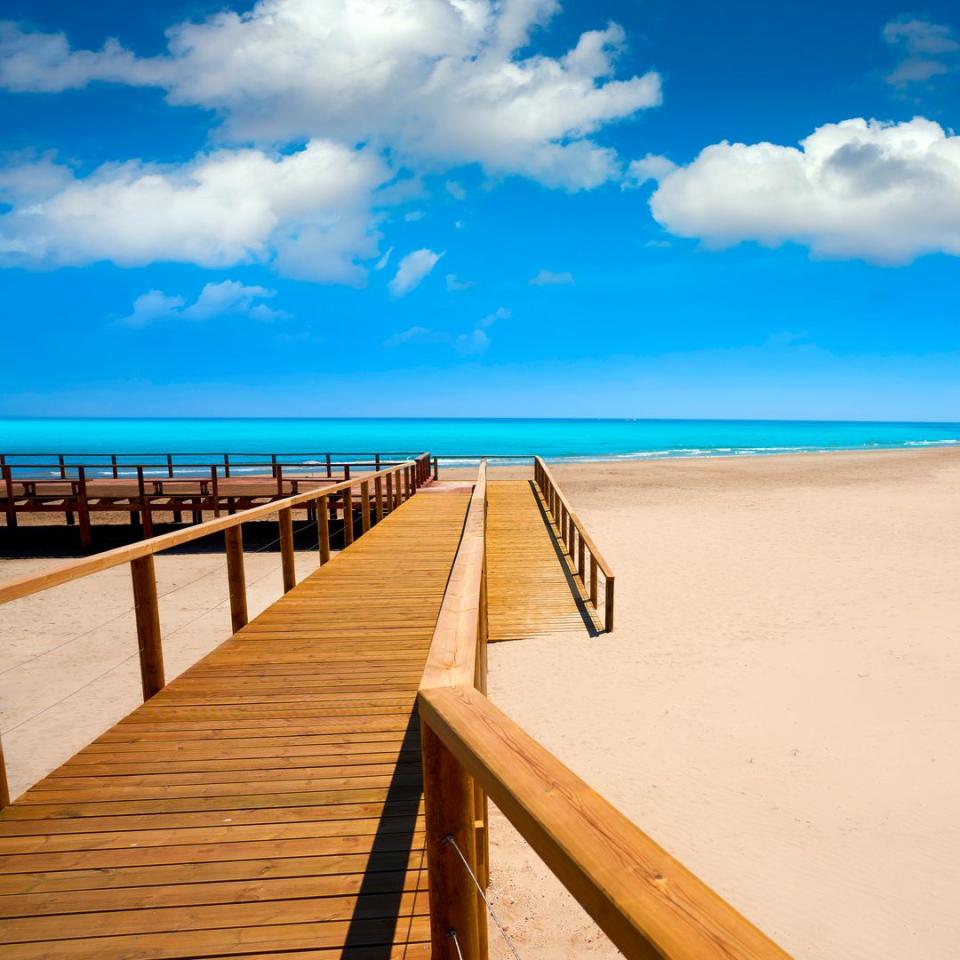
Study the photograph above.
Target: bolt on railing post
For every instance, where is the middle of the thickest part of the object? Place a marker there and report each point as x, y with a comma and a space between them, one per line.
236, 578
287, 557
147, 609
365, 506
449, 819
323, 524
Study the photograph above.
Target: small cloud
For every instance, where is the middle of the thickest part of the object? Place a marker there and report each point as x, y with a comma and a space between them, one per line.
384, 260
928, 49
411, 271
501, 313
472, 344
226, 298
411, 335
458, 224
658, 244
455, 285
651, 167
150, 306
547, 278
456, 190
413, 216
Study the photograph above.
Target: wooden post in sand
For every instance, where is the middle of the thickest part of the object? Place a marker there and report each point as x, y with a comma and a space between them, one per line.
323, 525
148, 625
236, 580
287, 557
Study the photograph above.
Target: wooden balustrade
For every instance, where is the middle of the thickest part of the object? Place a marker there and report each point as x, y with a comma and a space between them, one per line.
140, 557
577, 543
648, 903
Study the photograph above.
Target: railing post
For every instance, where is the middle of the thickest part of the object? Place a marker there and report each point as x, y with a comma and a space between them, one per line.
226, 465
63, 467
323, 525
83, 508
169, 464
4, 788
436, 468
329, 466
593, 580
365, 505
390, 492
449, 818
11, 506
278, 473
287, 558
378, 493
236, 580
146, 518
376, 460
148, 625
347, 517
608, 606
346, 471
113, 464
581, 567
215, 488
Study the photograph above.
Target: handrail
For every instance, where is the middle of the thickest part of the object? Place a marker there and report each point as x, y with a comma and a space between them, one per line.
452, 658
74, 569
648, 903
571, 528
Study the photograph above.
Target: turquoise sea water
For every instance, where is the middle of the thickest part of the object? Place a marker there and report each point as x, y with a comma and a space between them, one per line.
462, 439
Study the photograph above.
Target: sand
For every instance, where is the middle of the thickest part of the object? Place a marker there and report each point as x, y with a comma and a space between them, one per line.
778, 705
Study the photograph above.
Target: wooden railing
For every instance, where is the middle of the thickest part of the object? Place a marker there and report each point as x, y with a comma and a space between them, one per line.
380, 493
648, 903
582, 551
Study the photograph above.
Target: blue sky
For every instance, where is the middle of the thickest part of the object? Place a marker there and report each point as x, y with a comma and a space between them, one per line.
604, 209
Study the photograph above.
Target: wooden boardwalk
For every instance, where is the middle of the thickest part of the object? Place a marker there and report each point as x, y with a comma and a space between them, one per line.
265, 802
530, 587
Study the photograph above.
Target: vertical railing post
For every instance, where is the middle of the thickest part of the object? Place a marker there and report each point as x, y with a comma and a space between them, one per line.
278, 473
390, 492
215, 488
378, 493
608, 606
146, 518
376, 462
347, 517
147, 609
11, 506
113, 464
4, 788
581, 567
63, 468
236, 579
226, 465
329, 466
449, 818
83, 508
323, 524
365, 505
593, 580
436, 468
169, 464
287, 557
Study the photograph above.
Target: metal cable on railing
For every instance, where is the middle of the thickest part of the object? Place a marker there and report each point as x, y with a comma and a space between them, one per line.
449, 839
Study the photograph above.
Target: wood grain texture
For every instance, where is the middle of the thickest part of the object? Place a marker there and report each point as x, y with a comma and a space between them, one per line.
648, 903
265, 803
531, 584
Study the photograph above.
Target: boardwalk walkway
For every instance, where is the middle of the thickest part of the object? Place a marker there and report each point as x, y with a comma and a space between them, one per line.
268, 800
530, 591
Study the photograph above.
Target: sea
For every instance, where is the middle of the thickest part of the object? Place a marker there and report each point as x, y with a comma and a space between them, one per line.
456, 441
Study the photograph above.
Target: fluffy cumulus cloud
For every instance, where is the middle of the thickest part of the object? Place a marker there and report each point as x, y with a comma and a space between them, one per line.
411, 271
307, 212
226, 298
436, 81
884, 192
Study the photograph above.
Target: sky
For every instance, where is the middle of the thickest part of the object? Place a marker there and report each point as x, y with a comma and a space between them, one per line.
470, 208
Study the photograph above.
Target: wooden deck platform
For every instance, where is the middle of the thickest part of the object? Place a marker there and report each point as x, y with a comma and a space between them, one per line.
267, 802
531, 588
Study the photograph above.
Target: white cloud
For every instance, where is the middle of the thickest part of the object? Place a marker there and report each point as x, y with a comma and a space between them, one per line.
928, 49
650, 167
884, 192
469, 344
384, 260
308, 212
455, 285
434, 80
548, 278
226, 298
411, 270
456, 190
